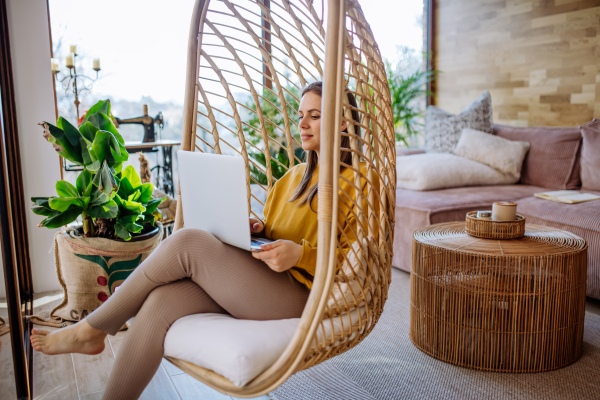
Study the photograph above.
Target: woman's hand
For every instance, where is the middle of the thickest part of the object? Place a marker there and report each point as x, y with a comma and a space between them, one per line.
280, 255
256, 225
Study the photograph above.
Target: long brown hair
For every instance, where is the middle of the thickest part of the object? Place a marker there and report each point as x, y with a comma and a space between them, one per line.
311, 156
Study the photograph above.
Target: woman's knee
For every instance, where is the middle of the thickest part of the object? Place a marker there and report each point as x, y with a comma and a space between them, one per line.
192, 235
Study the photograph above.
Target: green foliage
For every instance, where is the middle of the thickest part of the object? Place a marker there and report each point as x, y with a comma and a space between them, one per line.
272, 110
102, 190
408, 88
276, 169
134, 203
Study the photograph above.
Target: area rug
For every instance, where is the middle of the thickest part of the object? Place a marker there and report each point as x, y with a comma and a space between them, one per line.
386, 365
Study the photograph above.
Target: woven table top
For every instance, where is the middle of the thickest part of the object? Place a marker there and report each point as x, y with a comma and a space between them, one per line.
538, 241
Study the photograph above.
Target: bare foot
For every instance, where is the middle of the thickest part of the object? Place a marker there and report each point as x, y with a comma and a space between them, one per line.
78, 338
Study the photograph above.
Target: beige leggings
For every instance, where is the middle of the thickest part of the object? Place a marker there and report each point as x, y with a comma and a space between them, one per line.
190, 272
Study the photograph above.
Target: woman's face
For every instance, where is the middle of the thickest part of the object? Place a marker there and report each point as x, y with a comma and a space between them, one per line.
310, 121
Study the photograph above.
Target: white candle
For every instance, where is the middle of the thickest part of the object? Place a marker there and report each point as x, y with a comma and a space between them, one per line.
504, 211
70, 60
73, 49
96, 64
54, 62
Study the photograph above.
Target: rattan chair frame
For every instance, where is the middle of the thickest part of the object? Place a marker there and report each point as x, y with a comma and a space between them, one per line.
293, 30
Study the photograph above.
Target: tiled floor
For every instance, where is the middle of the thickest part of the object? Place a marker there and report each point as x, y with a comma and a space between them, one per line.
82, 377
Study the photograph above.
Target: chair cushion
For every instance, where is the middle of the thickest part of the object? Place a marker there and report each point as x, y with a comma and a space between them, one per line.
590, 156
237, 349
442, 129
437, 171
240, 349
553, 158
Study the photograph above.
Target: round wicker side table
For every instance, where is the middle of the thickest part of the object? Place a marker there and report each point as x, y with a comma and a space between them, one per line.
498, 305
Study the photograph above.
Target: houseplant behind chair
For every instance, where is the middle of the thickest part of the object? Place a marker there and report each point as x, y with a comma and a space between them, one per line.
119, 229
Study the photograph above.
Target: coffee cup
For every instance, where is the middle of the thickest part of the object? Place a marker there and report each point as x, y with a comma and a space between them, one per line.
504, 211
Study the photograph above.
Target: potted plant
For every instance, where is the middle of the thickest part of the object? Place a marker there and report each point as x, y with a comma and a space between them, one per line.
118, 212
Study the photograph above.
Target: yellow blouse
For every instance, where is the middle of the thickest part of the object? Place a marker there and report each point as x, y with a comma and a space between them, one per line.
286, 220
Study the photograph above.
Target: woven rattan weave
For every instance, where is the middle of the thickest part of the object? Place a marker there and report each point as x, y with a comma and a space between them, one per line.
498, 305
487, 229
247, 63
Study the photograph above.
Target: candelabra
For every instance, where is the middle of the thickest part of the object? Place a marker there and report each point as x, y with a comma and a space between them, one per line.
69, 82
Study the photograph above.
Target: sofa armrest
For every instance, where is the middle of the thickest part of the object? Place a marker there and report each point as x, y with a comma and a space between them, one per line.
404, 151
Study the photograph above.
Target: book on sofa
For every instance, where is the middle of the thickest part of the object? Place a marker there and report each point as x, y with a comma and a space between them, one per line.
567, 196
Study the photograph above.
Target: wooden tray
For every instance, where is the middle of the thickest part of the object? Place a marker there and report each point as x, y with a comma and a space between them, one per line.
494, 229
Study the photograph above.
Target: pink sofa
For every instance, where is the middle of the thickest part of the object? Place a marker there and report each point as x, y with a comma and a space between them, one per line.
553, 163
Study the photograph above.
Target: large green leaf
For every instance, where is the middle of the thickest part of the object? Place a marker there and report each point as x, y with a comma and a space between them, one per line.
122, 232
63, 203
104, 123
135, 196
104, 180
84, 183
153, 204
129, 222
97, 197
103, 106
132, 176
70, 131
63, 218
88, 131
45, 211
134, 206
88, 155
41, 201
106, 210
101, 145
59, 138
65, 189
118, 153
125, 188
146, 193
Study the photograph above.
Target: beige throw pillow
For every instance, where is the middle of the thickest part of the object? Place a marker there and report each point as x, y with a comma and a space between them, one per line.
502, 154
433, 171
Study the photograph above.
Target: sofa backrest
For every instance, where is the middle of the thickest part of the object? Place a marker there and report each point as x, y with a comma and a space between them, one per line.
553, 158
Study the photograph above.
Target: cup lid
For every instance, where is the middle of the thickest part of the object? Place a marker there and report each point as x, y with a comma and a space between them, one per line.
504, 203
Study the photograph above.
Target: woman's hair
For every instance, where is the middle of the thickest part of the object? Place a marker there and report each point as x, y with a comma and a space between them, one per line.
311, 155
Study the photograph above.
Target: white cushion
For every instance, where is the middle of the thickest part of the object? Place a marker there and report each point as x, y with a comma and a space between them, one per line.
440, 170
499, 153
237, 349
240, 349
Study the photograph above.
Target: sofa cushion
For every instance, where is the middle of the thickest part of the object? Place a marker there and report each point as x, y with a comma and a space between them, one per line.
415, 210
553, 158
437, 171
590, 156
502, 154
582, 219
442, 129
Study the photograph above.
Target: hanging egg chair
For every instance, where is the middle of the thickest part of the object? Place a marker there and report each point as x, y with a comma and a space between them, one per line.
247, 63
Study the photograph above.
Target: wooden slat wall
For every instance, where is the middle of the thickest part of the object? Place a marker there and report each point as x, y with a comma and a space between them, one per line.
539, 59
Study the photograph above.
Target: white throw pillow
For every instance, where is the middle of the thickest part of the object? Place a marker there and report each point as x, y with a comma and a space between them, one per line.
440, 170
503, 154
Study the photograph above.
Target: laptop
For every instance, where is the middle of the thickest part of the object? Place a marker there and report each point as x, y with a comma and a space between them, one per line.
214, 197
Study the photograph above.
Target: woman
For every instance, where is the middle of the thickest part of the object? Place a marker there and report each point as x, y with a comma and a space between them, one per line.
193, 272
